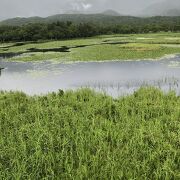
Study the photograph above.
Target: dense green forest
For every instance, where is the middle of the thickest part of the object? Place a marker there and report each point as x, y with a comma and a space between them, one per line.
56, 29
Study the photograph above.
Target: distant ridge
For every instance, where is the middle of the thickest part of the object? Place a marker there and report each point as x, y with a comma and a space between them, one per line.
108, 16
73, 12
111, 12
21, 20
71, 15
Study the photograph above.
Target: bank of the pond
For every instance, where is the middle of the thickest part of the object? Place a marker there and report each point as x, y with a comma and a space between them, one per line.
86, 135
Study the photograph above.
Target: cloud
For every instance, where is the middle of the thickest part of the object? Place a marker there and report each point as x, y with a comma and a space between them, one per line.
86, 6
13, 8
79, 5
75, 6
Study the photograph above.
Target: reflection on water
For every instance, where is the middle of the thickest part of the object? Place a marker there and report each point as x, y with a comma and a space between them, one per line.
1, 70
115, 78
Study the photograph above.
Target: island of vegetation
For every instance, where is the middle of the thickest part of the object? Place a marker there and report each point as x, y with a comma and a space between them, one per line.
99, 48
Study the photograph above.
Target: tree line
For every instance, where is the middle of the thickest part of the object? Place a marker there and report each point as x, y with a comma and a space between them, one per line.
68, 30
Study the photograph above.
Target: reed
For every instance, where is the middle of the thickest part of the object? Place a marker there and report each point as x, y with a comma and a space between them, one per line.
89, 135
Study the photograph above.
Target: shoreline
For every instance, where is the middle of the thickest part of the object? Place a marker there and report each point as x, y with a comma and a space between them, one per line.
165, 57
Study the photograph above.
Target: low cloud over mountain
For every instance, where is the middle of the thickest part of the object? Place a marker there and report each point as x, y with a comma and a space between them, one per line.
43, 8
163, 8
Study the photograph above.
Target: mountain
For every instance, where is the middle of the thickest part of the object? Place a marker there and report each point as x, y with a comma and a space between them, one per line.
73, 12
164, 8
100, 18
111, 12
20, 21
74, 16
108, 12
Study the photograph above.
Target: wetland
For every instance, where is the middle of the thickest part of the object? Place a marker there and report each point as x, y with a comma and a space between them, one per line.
105, 107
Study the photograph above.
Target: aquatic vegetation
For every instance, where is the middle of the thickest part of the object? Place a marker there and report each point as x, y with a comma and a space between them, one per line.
86, 135
98, 48
174, 64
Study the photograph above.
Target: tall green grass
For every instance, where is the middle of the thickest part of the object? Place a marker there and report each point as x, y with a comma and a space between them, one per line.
86, 135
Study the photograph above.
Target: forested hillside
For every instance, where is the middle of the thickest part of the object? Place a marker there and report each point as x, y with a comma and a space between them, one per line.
75, 26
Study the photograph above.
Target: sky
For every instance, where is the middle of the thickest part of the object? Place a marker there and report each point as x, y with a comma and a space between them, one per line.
27, 8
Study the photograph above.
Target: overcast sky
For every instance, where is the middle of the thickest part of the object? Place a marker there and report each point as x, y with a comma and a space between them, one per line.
26, 8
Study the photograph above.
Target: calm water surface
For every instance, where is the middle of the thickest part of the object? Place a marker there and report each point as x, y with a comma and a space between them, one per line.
114, 78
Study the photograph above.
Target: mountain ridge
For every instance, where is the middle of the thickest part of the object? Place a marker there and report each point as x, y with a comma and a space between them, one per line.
100, 19
76, 18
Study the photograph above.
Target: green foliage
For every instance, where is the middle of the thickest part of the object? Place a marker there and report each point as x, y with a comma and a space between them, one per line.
86, 135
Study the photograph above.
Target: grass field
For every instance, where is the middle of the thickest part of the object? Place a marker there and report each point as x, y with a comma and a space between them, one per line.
85, 135
101, 48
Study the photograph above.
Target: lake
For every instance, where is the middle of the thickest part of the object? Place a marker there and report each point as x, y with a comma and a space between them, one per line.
115, 78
